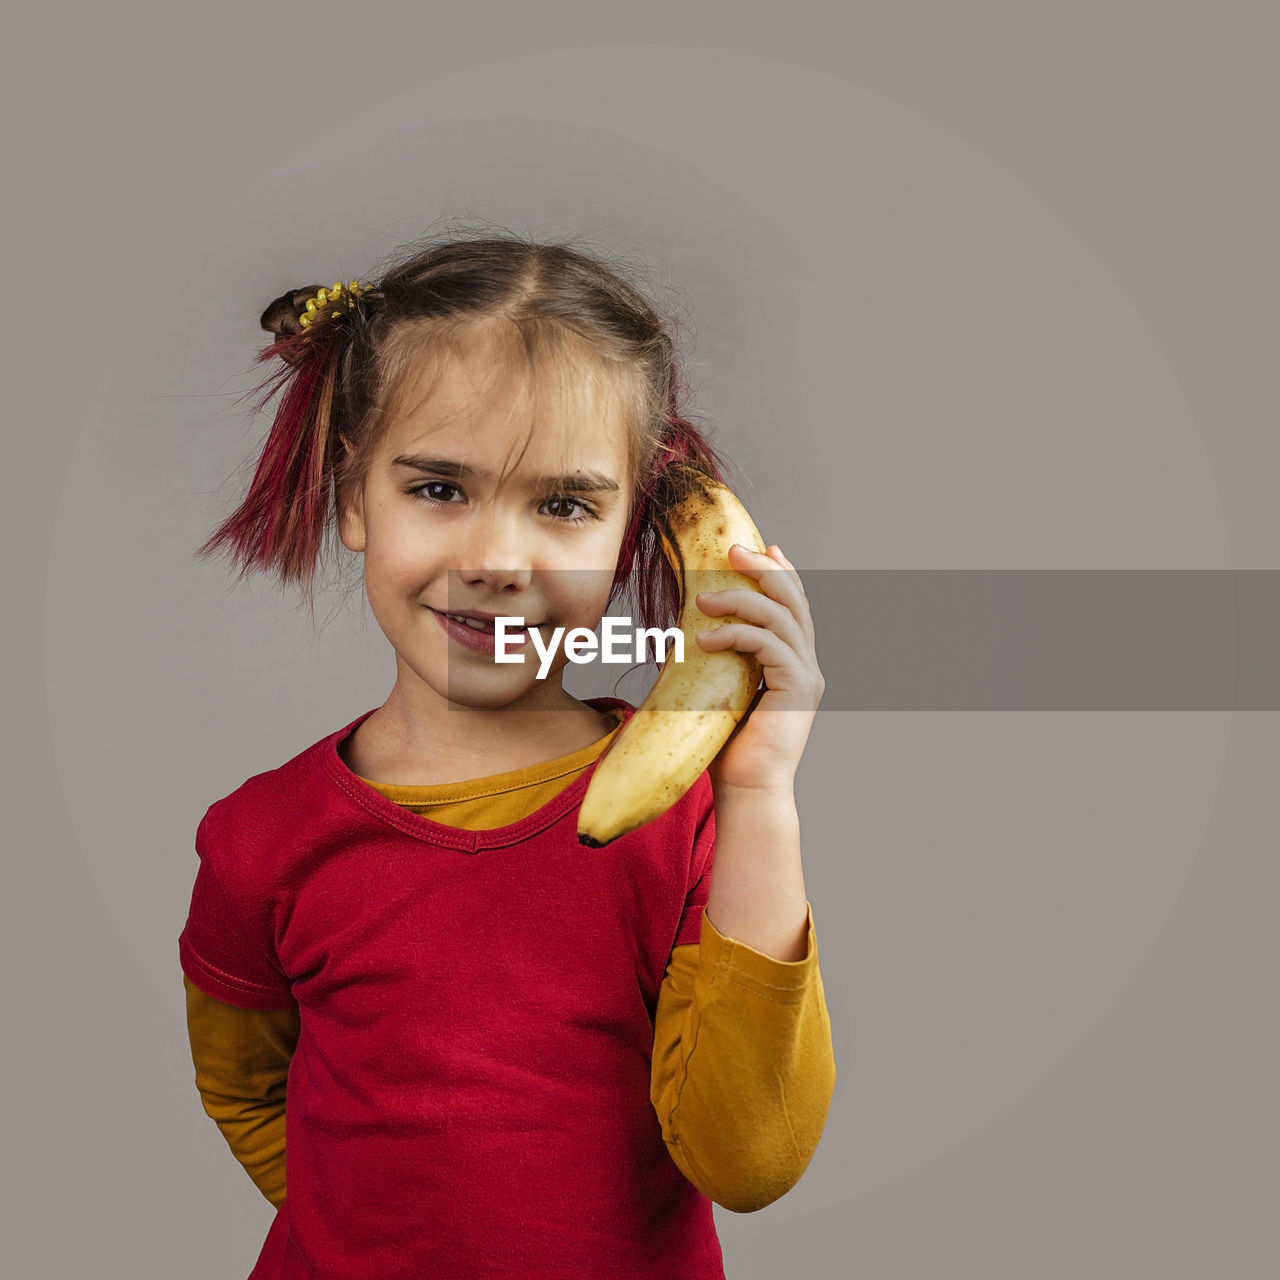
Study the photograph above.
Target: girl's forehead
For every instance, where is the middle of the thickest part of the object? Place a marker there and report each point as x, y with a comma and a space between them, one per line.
553, 409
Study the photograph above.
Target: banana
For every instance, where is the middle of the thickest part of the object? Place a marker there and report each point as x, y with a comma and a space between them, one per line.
694, 705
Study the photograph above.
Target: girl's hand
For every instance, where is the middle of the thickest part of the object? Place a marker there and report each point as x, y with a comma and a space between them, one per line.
764, 749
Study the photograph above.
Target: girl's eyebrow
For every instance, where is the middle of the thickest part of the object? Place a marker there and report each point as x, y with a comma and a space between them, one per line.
576, 482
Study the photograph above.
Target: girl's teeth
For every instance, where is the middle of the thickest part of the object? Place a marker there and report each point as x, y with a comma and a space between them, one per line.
476, 625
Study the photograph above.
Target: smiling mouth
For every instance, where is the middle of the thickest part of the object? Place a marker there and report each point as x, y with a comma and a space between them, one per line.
482, 627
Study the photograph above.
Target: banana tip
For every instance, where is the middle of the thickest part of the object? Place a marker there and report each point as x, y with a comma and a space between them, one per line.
590, 841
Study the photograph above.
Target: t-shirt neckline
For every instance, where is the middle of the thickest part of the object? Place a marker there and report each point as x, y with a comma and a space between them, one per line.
428, 830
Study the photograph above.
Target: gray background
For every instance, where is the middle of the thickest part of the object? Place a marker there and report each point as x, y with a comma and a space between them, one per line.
973, 286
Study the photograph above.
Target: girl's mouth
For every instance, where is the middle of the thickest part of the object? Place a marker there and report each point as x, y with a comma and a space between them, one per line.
481, 636
470, 622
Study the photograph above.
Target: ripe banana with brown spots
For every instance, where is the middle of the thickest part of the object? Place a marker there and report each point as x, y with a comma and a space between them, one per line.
694, 705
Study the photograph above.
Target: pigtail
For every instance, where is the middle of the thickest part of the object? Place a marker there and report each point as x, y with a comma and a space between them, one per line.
658, 590
280, 524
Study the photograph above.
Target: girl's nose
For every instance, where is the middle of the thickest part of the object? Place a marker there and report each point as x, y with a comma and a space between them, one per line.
498, 555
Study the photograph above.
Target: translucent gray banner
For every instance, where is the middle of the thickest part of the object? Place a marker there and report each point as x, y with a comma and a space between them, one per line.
1014, 640
1048, 640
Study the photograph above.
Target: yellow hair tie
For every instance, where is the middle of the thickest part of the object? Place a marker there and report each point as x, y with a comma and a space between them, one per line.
334, 301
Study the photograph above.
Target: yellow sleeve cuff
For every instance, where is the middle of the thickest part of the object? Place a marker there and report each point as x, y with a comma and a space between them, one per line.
723, 959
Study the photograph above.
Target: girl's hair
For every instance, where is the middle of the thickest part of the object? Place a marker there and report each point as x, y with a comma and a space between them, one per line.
344, 378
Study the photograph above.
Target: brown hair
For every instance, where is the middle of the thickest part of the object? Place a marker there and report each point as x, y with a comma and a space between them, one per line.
343, 379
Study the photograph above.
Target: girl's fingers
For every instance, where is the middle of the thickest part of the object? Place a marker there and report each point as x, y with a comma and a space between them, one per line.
799, 682
755, 607
768, 646
784, 586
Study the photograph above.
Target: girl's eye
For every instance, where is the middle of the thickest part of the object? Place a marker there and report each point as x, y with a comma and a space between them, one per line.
422, 491
423, 494
586, 512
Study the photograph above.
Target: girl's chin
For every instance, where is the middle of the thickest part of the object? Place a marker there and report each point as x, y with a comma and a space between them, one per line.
467, 677
461, 694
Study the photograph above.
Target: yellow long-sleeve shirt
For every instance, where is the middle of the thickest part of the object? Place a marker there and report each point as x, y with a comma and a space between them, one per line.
743, 1068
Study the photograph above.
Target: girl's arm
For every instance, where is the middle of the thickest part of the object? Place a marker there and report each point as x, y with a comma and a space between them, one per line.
757, 894
242, 1057
744, 1084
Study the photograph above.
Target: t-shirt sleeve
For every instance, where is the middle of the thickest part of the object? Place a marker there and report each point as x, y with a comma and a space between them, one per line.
704, 845
217, 949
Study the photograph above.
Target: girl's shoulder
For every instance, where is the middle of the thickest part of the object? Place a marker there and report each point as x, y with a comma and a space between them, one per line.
276, 797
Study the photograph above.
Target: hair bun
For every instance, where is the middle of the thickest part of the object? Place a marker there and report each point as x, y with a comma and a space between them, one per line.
281, 317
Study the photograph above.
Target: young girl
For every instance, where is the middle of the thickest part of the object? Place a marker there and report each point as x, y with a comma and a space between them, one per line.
442, 1036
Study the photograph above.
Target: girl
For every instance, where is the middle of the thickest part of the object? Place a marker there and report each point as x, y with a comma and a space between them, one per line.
443, 1037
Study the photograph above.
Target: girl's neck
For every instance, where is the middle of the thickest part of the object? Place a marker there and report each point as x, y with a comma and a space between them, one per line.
398, 749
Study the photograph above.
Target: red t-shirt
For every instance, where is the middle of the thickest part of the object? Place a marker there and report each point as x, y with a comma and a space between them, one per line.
489, 994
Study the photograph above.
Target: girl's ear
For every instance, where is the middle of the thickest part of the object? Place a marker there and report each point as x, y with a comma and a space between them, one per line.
351, 524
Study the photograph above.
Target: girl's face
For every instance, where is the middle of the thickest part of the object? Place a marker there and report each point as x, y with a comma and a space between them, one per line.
440, 536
